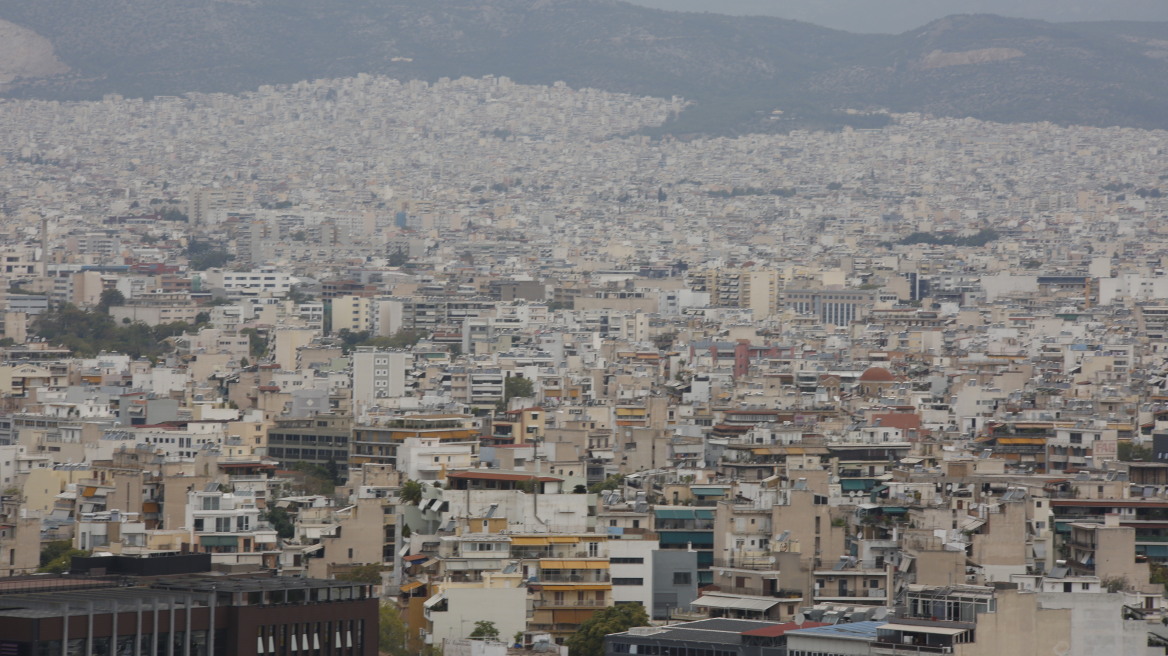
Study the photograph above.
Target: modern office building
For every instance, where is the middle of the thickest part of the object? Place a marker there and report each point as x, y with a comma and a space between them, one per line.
183, 613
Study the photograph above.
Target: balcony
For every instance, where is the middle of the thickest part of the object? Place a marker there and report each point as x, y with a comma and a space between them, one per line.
570, 603
754, 591
554, 576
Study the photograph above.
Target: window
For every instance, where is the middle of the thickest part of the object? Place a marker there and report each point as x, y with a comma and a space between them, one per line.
628, 581
626, 561
682, 578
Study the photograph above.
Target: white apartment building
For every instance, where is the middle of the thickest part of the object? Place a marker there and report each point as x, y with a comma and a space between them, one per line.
378, 375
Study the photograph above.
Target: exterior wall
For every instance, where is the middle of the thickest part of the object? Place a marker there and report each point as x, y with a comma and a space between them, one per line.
668, 592
939, 567
351, 313
1115, 557
1001, 551
621, 572
378, 375
506, 607
288, 340
810, 526
20, 547
1097, 624
1019, 626
360, 538
797, 644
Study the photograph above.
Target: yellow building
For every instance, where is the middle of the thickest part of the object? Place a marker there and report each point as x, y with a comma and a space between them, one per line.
352, 313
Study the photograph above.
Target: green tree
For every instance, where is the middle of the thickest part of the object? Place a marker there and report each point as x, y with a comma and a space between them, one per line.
484, 630
1126, 452
257, 345
54, 549
410, 492
403, 338
399, 257
391, 631
281, 520
110, 298
515, 387
588, 640
88, 332
318, 479
664, 340
62, 562
370, 573
610, 483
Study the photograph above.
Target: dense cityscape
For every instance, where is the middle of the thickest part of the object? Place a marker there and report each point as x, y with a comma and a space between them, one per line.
473, 367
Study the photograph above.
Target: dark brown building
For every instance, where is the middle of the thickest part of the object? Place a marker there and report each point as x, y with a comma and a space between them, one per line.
198, 615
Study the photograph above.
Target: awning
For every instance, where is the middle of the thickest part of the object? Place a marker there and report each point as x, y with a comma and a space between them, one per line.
674, 513
218, 540
529, 542
855, 484
412, 585
912, 628
561, 540
435, 600
911, 460
972, 524
1023, 441
708, 491
736, 603
573, 564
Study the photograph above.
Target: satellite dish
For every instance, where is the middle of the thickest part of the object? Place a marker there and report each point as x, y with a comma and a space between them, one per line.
880, 613
800, 619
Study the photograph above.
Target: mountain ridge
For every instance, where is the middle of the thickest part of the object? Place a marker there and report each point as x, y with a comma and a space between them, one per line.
736, 70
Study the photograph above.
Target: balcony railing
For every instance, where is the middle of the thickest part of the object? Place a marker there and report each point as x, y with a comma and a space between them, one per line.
549, 576
900, 648
570, 603
755, 591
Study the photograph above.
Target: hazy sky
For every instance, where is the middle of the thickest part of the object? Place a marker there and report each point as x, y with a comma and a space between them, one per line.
896, 16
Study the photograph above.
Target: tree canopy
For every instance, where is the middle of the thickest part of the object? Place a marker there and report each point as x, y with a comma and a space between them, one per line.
589, 639
391, 632
516, 387
57, 556
88, 332
484, 630
410, 492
